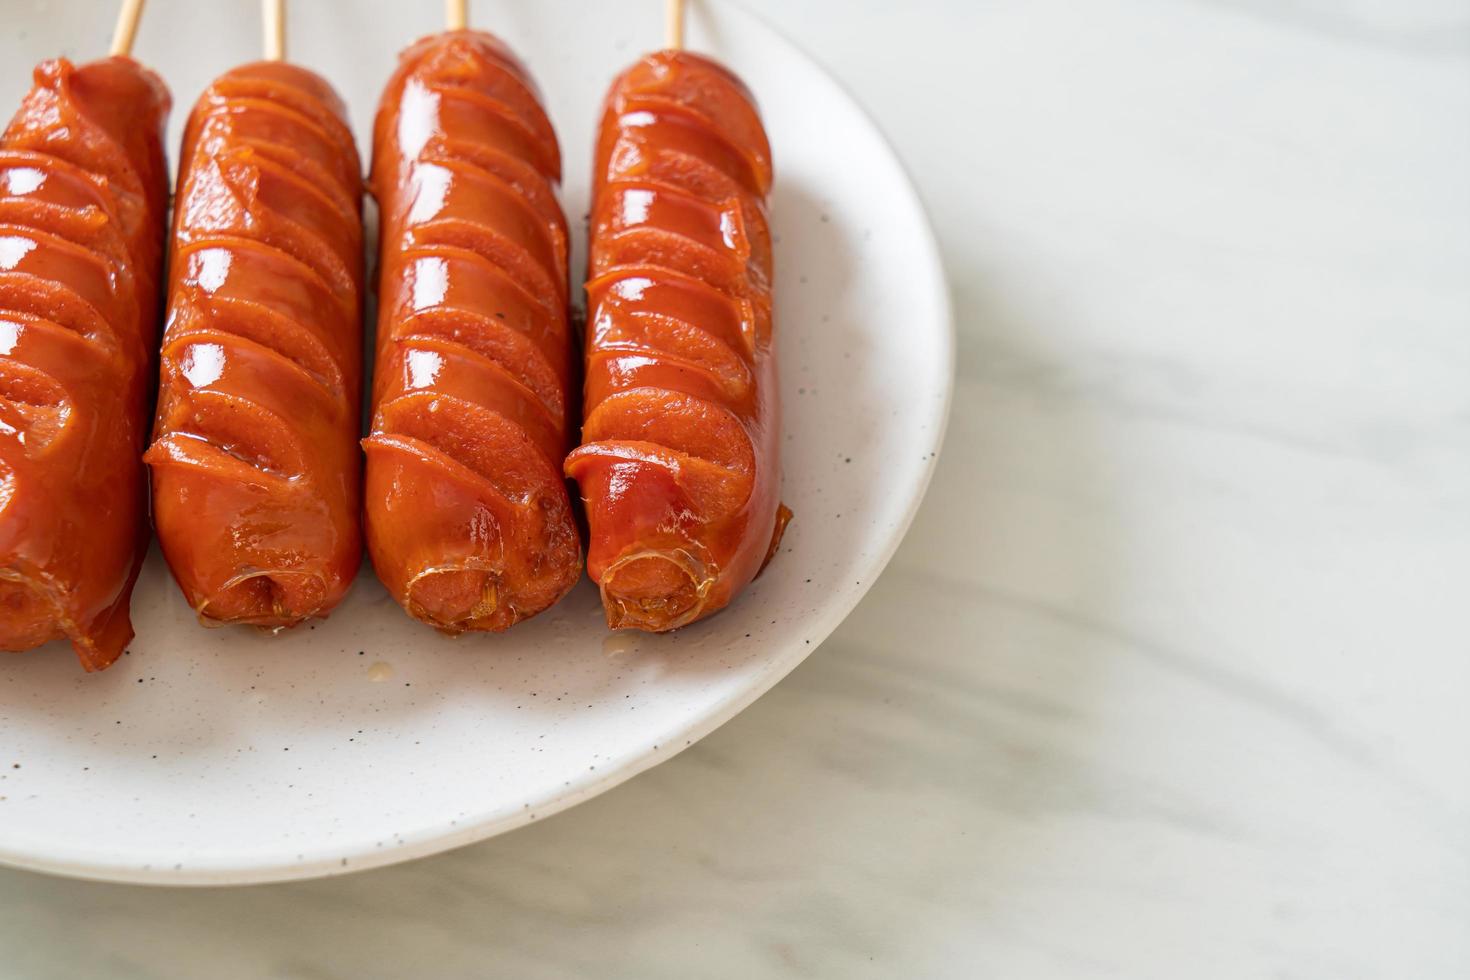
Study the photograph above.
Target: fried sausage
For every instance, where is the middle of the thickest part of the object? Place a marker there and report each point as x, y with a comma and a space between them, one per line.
83, 196
679, 460
256, 470
468, 520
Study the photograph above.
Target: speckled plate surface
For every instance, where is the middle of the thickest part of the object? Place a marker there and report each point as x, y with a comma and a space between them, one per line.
227, 756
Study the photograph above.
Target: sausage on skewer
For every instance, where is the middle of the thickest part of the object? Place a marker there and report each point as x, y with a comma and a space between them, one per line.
679, 460
83, 195
468, 520
256, 471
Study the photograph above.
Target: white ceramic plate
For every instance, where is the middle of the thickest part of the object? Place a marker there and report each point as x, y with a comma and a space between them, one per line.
226, 756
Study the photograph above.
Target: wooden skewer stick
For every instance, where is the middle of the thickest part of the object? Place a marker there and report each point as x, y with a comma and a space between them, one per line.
273, 23
674, 24
456, 14
126, 28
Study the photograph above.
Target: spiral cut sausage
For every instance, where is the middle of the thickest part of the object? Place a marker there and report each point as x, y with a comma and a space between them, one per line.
468, 520
83, 194
678, 464
256, 471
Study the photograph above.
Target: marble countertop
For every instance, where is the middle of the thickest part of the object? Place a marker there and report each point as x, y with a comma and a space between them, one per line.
1169, 678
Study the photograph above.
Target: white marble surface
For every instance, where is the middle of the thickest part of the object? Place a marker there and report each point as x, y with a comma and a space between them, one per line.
1169, 678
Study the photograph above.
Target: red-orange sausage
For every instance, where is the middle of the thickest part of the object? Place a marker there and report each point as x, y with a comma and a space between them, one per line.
83, 194
468, 520
679, 458
256, 471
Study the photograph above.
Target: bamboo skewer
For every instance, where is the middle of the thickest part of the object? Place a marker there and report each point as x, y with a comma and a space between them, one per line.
126, 28
273, 24
674, 24
456, 14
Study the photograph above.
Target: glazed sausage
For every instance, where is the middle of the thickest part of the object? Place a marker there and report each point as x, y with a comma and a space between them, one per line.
468, 520
83, 195
678, 464
256, 471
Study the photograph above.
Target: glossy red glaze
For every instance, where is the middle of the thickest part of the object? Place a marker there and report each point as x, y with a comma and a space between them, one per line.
468, 520
256, 470
679, 463
83, 194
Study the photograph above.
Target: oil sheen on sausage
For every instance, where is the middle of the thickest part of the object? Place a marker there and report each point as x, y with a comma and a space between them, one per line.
468, 520
256, 470
83, 198
678, 464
